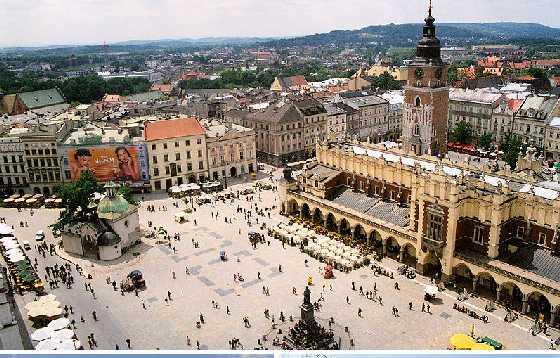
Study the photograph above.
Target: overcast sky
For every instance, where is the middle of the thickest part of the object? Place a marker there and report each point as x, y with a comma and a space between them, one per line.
41, 22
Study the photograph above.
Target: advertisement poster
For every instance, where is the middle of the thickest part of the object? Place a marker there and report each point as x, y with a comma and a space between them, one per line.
124, 163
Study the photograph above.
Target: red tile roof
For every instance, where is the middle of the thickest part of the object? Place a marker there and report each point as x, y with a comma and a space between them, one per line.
172, 128
514, 104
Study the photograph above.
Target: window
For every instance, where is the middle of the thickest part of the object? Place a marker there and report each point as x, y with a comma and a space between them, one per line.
33, 151
165, 158
156, 172
187, 143
477, 235
53, 151
176, 144
188, 154
200, 165
200, 153
199, 141
167, 170
435, 227
157, 185
177, 156
153, 147
154, 159
542, 239
520, 234
241, 155
189, 167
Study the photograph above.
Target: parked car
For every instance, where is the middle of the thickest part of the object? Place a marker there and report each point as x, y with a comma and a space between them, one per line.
26, 245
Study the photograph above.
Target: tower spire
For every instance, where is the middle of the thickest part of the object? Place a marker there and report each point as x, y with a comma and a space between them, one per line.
430, 9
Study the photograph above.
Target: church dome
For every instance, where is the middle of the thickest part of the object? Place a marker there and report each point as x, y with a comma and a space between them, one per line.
113, 205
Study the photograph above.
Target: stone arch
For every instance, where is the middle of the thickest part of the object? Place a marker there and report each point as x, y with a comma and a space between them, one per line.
539, 306
485, 285
463, 277
305, 211
359, 233
409, 255
293, 207
374, 239
330, 222
432, 265
318, 216
511, 296
344, 227
393, 248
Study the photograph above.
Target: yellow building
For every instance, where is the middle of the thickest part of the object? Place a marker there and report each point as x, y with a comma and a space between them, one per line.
492, 233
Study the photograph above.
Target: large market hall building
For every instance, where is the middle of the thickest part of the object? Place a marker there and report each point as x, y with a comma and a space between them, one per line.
485, 229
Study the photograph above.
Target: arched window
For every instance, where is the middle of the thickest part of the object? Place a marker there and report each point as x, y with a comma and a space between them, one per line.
416, 129
417, 102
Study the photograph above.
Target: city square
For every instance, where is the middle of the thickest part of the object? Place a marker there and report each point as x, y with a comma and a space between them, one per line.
172, 323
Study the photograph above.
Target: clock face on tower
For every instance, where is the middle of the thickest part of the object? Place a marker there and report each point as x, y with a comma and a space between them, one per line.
439, 73
419, 73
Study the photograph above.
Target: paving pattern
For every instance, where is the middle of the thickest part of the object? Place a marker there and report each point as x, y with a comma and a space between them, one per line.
166, 325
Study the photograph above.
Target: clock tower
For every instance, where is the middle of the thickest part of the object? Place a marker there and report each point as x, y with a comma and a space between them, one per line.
426, 97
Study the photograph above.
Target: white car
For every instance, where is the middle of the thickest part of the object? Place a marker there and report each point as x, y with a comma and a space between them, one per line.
26, 245
40, 235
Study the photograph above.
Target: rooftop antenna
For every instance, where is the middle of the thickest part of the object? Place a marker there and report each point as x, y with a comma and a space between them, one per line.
430, 8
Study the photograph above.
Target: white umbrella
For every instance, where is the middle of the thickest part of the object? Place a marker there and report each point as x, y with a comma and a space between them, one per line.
66, 345
11, 245
16, 258
14, 251
59, 323
47, 345
7, 239
5, 229
41, 334
64, 333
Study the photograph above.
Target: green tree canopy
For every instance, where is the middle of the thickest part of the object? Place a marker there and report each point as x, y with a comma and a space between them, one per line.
462, 133
485, 141
511, 146
77, 195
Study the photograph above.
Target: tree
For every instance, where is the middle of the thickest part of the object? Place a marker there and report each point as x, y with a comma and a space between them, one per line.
76, 197
386, 81
462, 133
485, 141
511, 146
125, 191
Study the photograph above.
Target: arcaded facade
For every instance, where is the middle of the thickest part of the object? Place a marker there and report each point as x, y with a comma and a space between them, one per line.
488, 232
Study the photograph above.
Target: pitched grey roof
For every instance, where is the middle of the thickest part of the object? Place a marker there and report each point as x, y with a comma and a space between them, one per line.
374, 207
43, 98
320, 173
537, 260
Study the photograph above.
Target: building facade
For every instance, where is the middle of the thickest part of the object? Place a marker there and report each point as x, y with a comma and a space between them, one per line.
492, 233
475, 107
231, 150
286, 131
13, 171
532, 118
426, 97
176, 152
42, 159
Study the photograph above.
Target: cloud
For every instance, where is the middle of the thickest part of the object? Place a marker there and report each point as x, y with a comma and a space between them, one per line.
34, 22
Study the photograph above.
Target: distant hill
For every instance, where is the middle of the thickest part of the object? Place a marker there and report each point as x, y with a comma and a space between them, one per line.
449, 33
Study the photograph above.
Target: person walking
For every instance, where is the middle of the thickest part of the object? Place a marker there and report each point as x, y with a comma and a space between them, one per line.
127, 342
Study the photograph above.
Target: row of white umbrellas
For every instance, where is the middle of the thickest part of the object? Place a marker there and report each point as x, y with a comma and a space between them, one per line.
14, 253
56, 336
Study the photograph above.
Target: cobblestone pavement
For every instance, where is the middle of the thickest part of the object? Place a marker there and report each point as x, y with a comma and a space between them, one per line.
166, 325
